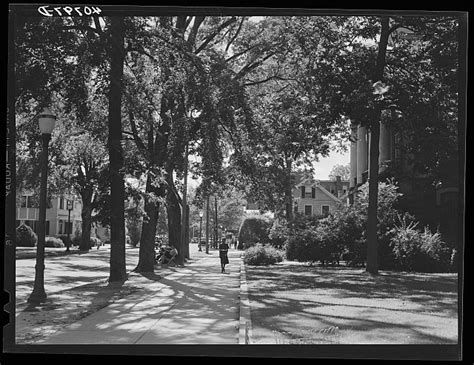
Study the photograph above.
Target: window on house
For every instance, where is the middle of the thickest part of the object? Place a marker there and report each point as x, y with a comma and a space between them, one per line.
302, 191
325, 210
313, 193
308, 210
296, 209
61, 203
61, 227
33, 201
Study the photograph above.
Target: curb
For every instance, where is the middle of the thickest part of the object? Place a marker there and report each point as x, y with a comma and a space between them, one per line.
245, 324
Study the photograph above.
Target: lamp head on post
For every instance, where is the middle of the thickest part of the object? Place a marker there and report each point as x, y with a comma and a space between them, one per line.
46, 121
195, 113
201, 214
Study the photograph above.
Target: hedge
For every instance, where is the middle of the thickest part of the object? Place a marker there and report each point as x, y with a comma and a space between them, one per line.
262, 255
25, 236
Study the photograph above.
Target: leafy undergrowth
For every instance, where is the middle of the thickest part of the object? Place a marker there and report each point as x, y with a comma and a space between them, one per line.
34, 323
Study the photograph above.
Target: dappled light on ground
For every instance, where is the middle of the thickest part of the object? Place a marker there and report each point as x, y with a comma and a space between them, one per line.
296, 303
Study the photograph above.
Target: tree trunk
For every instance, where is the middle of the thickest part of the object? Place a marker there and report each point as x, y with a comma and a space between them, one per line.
86, 215
372, 264
207, 224
288, 193
216, 225
372, 252
146, 254
184, 204
174, 216
117, 190
186, 248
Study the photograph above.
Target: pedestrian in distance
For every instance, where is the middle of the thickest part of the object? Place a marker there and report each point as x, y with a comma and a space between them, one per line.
223, 249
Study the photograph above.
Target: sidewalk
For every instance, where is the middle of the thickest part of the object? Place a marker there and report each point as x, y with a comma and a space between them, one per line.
196, 304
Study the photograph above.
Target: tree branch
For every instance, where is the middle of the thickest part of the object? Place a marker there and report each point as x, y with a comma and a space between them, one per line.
235, 35
247, 68
82, 27
192, 35
210, 37
136, 137
97, 24
243, 52
273, 77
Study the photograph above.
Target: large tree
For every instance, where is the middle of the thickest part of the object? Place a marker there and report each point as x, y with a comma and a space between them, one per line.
369, 80
340, 170
116, 55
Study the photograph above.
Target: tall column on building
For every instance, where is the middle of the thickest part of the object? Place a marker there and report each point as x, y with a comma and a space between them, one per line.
361, 152
384, 145
352, 182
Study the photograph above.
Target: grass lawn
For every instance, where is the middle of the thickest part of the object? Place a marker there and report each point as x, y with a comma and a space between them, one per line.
294, 303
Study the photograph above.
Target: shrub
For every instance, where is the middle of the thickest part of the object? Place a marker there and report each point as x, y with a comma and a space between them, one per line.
76, 240
53, 242
134, 227
300, 248
262, 255
330, 247
348, 225
317, 243
279, 233
64, 238
94, 241
25, 237
347, 229
253, 230
416, 250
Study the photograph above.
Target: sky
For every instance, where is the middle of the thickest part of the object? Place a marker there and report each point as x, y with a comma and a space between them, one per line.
322, 168
325, 165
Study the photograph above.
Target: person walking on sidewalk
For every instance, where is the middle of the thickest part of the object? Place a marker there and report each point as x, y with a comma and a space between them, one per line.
223, 249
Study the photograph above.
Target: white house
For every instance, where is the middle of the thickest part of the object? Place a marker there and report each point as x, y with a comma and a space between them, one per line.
318, 197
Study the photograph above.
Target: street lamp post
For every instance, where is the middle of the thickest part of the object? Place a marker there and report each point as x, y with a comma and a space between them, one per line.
46, 121
207, 225
70, 206
200, 228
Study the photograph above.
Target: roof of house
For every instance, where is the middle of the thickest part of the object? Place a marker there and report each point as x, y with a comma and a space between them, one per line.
317, 185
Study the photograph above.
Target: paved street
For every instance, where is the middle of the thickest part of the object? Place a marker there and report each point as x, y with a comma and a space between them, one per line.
190, 305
